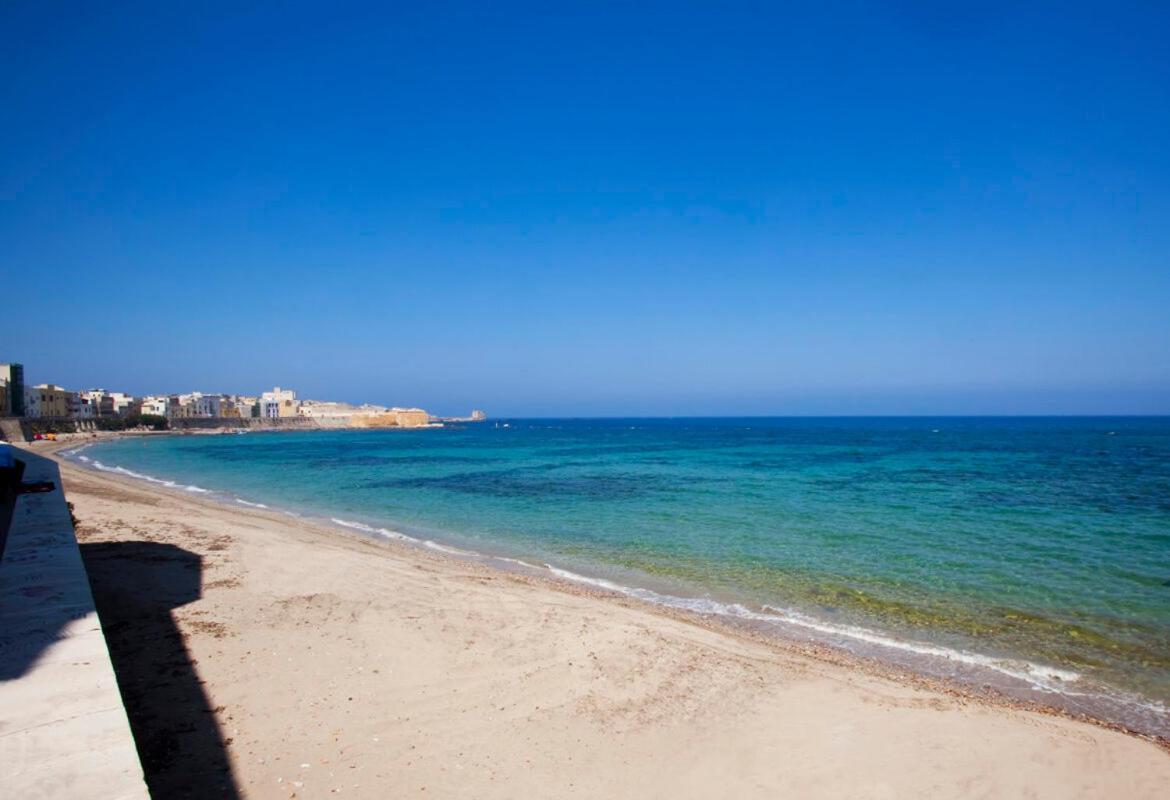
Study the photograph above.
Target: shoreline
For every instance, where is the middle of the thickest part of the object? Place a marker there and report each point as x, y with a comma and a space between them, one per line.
785, 662
771, 629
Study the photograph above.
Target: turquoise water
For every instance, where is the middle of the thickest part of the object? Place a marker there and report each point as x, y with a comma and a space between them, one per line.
1028, 554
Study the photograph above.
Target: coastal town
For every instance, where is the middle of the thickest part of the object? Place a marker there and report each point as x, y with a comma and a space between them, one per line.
49, 405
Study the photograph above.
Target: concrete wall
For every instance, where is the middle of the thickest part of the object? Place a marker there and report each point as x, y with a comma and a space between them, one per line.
63, 728
23, 429
11, 430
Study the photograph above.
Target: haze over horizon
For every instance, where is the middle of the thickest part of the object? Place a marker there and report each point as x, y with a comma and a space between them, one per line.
877, 208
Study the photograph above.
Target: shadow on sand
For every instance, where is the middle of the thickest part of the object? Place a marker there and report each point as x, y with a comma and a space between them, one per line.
135, 586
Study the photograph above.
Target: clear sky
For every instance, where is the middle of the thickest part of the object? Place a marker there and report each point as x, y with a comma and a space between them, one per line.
635, 208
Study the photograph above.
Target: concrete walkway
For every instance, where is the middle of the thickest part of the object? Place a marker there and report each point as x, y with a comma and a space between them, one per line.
63, 728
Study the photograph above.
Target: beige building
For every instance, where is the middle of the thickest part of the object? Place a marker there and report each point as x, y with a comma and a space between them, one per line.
394, 418
52, 400
181, 406
228, 408
411, 417
246, 407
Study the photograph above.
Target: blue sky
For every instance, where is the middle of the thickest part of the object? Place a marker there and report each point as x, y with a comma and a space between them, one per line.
595, 210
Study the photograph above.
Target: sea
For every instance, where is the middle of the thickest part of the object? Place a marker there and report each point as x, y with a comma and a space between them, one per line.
1025, 556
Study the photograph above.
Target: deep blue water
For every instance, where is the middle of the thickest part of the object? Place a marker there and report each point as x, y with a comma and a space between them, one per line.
1036, 549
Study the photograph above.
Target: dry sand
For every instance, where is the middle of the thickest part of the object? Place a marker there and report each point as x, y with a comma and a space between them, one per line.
265, 656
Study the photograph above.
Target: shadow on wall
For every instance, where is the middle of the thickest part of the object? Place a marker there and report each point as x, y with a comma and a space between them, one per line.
40, 596
135, 587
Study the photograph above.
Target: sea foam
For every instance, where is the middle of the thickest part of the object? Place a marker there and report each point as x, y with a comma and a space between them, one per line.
1038, 676
364, 528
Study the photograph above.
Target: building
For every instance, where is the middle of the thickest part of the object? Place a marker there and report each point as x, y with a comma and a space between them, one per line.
12, 375
240, 406
208, 405
228, 408
106, 404
31, 404
73, 404
411, 417
327, 410
78, 406
123, 403
478, 416
154, 406
3, 399
92, 398
393, 418
177, 406
183, 406
269, 407
286, 400
52, 400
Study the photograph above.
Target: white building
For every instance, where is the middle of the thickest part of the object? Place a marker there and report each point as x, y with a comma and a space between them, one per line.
269, 407
93, 398
286, 402
107, 404
324, 409
121, 402
154, 405
208, 405
32, 402
80, 406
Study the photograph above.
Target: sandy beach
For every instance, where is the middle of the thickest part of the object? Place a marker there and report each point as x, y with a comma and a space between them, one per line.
263, 656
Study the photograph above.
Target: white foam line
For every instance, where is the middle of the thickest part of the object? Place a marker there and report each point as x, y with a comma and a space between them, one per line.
149, 478
1039, 676
364, 528
397, 535
243, 502
433, 545
137, 475
357, 526
521, 562
129, 473
455, 551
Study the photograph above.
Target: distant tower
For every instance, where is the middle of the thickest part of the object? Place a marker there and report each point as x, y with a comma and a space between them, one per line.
13, 375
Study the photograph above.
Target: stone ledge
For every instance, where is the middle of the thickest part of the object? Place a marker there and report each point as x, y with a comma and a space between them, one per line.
63, 727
